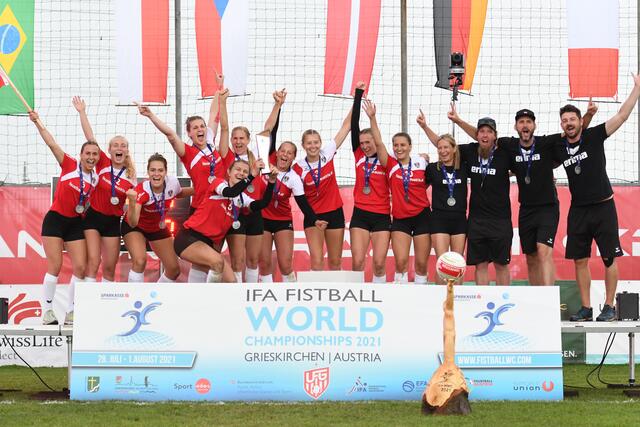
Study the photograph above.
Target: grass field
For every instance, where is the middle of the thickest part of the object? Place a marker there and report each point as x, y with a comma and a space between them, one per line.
597, 407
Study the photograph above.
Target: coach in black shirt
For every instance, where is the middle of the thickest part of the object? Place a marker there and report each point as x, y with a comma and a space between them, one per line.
593, 212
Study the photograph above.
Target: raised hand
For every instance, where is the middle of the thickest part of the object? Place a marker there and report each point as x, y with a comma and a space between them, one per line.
369, 108
131, 194
219, 79
79, 104
33, 116
361, 85
273, 174
592, 108
452, 114
421, 119
144, 110
257, 167
223, 94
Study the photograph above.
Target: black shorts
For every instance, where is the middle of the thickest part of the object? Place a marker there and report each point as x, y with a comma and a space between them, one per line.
334, 218
586, 223
156, 235
274, 225
186, 237
451, 223
414, 225
537, 224
489, 240
64, 227
106, 225
250, 225
370, 221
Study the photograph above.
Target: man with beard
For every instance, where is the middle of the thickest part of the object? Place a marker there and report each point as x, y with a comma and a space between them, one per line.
532, 162
592, 215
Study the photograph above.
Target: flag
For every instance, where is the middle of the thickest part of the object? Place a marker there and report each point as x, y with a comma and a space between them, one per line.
593, 48
352, 37
142, 50
16, 53
222, 41
458, 27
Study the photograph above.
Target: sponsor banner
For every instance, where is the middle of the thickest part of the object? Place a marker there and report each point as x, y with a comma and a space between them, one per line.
25, 309
22, 258
309, 342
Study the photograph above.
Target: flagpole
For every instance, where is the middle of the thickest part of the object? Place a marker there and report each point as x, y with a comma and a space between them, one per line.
178, 77
403, 65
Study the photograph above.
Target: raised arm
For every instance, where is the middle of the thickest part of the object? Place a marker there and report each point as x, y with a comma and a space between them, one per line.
422, 122
344, 130
278, 98
48, 139
81, 108
370, 109
355, 116
614, 123
172, 136
592, 109
468, 128
223, 145
133, 212
214, 108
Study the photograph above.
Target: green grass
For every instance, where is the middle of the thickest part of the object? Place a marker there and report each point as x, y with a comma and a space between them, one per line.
600, 406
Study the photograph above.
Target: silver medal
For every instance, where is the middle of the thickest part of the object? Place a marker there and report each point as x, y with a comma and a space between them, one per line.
577, 170
527, 179
210, 179
366, 189
250, 188
162, 224
451, 201
235, 224
115, 201
79, 209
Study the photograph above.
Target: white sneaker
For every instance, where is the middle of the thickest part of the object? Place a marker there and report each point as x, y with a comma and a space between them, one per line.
68, 319
49, 318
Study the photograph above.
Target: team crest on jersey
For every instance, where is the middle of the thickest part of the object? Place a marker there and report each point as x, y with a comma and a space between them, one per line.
285, 179
170, 193
316, 382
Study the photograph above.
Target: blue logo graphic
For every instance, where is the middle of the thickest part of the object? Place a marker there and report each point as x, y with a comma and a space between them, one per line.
492, 317
139, 316
408, 386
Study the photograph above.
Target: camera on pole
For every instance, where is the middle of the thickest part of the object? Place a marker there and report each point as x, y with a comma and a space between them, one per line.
456, 71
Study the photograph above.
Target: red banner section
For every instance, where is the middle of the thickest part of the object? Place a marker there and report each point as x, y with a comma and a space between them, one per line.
22, 258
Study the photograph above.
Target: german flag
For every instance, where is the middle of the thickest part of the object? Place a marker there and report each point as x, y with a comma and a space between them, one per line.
458, 26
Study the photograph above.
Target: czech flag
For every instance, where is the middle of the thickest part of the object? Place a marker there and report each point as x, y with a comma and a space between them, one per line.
352, 37
142, 50
222, 33
593, 48
458, 26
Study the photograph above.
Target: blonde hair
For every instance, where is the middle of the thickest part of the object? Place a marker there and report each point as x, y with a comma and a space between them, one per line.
310, 132
456, 151
250, 155
128, 159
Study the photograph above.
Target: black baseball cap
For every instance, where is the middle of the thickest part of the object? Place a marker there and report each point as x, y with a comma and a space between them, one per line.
487, 121
525, 113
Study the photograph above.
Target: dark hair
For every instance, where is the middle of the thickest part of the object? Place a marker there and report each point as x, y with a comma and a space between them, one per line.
403, 134
157, 157
192, 119
89, 143
570, 109
295, 147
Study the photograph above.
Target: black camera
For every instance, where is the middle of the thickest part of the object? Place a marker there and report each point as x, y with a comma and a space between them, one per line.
456, 67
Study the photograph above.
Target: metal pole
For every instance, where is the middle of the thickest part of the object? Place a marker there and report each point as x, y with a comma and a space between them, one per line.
638, 68
403, 64
178, 77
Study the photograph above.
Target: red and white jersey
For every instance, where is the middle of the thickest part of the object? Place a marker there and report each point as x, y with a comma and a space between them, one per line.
67, 193
418, 200
326, 196
101, 196
287, 183
378, 199
150, 214
197, 164
214, 216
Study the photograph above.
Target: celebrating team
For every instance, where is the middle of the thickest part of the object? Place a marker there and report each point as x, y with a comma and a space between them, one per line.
244, 199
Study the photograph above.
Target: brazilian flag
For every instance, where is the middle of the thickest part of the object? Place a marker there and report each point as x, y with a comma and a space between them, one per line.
16, 53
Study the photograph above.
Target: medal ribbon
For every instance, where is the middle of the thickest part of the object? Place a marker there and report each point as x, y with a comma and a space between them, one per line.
566, 144
484, 167
114, 180
160, 205
212, 160
406, 177
278, 186
83, 195
315, 177
367, 170
451, 180
530, 159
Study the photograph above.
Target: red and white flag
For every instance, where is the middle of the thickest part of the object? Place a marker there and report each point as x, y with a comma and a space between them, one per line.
142, 50
352, 37
593, 48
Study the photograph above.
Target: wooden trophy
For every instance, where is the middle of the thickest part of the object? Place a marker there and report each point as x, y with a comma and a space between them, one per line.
447, 392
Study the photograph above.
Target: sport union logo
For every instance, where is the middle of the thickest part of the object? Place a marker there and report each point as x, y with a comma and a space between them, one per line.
20, 310
316, 382
93, 384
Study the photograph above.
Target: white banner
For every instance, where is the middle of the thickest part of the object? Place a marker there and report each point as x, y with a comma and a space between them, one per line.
309, 341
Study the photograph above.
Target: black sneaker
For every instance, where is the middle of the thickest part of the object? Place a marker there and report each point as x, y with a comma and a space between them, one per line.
585, 314
608, 314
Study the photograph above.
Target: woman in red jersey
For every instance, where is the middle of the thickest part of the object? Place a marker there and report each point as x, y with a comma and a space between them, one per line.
278, 220
62, 225
116, 174
321, 188
245, 242
370, 222
201, 238
410, 211
145, 220
201, 160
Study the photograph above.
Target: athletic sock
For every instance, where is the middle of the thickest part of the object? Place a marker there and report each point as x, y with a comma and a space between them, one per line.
135, 277
165, 279
103, 280
214, 277
267, 278
197, 276
401, 278
238, 275
379, 279
72, 291
289, 278
91, 279
48, 290
251, 275
420, 279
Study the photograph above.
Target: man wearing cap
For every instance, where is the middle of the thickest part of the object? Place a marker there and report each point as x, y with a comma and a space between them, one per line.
532, 162
592, 215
